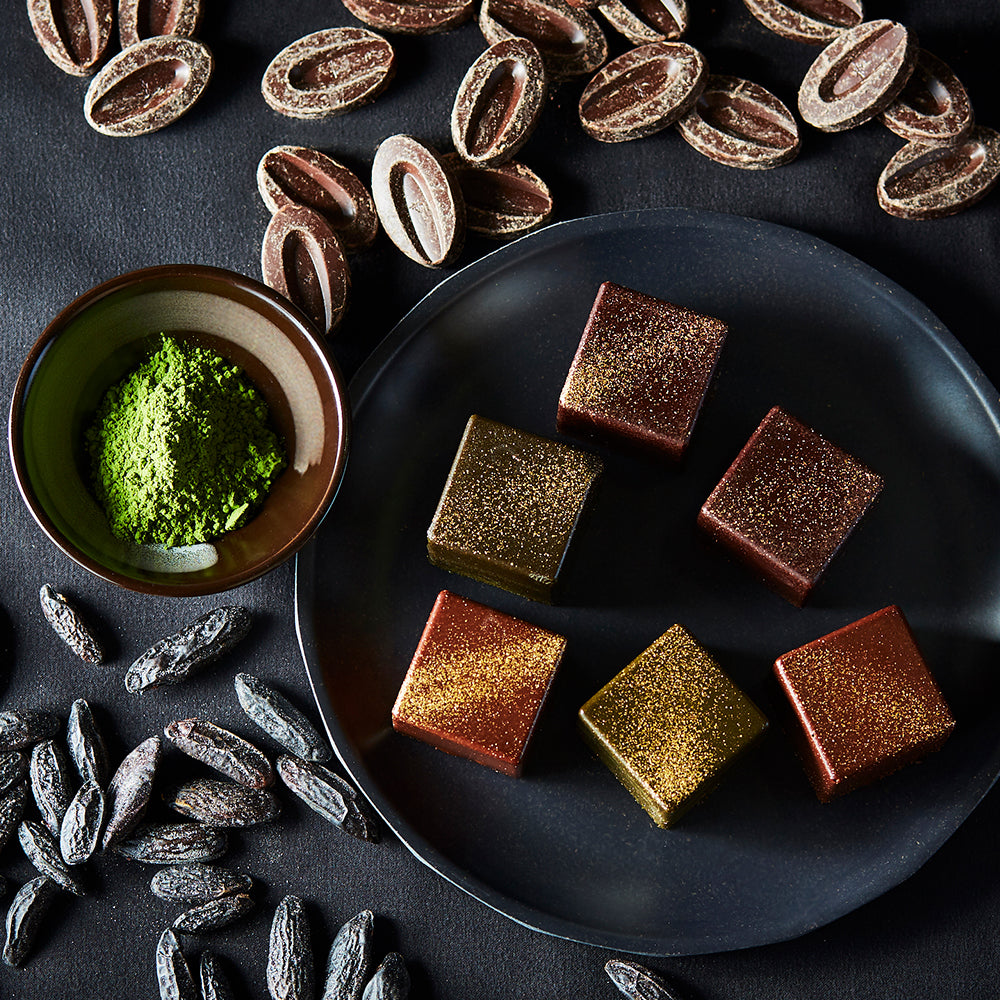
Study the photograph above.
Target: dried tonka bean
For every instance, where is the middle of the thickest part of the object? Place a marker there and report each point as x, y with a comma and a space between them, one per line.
11, 810
637, 982
569, 39
172, 971
193, 647
141, 19
174, 843
329, 795
391, 980
644, 21
740, 124
25, 916
930, 182
19, 729
214, 985
328, 72
74, 34
301, 258
128, 794
815, 22
81, 826
223, 803
13, 767
297, 175
347, 966
419, 206
148, 86
501, 202
280, 719
86, 746
228, 753
50, 784
289, 956
411, 17
214, 914
70, 625
41, 849
198, 883
498, 102
857, 76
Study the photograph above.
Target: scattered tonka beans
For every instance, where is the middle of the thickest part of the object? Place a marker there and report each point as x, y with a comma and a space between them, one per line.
280, 719
69, 624
290, 971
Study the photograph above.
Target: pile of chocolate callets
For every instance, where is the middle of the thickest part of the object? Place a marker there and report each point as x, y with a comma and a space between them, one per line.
425, 201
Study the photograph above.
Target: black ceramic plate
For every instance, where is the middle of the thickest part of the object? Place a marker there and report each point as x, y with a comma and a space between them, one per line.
565, 849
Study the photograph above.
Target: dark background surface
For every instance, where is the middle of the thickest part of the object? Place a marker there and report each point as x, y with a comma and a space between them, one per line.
79, 208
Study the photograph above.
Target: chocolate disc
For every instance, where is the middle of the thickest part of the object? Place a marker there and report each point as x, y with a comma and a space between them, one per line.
741, 124
302, 259
569, 39
857, 75
815, 22
932, 107
501, 202
929, 182
642, 91
642, 21
419, 204
297, 175
498, 102
328, 72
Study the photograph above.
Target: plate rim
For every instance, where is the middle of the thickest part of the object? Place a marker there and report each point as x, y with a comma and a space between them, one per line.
367, 376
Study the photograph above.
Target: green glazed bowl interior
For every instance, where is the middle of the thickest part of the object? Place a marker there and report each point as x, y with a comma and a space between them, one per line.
107, 332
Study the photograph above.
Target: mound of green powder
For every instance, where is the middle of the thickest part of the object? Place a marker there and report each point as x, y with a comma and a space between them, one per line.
180, 449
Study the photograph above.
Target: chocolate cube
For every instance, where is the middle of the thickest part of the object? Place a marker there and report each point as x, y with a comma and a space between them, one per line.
669, 724
788, 503
509, 508
640, 373
477, 683
865, 702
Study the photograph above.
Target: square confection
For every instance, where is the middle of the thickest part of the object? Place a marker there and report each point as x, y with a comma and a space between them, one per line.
788, 503
640, 373
477, 683
509, 508
669, 724
865, 702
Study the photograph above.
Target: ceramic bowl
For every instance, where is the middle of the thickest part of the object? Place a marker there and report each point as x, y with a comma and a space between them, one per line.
97, 340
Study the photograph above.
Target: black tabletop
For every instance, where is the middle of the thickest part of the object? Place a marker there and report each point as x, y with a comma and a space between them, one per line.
79, 207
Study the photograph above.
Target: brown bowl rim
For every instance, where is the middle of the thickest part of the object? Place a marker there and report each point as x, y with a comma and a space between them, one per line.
140, 276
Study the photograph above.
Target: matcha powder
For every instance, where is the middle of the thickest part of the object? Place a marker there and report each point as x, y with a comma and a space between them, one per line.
181, 450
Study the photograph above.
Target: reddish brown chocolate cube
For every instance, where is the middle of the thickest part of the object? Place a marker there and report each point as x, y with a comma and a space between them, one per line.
477, 683
865, 702
788, 503
640, 373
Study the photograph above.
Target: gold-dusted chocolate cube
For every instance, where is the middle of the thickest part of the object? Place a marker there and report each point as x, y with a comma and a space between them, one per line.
669, 724
477, 683
510, 507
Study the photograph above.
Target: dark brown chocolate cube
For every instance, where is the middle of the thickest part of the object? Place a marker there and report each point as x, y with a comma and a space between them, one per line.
477, 683
788, 503
640, 373
510, 508
865, 702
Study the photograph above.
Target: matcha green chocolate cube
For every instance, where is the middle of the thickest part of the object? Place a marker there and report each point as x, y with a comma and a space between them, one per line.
510, 507
669, 724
